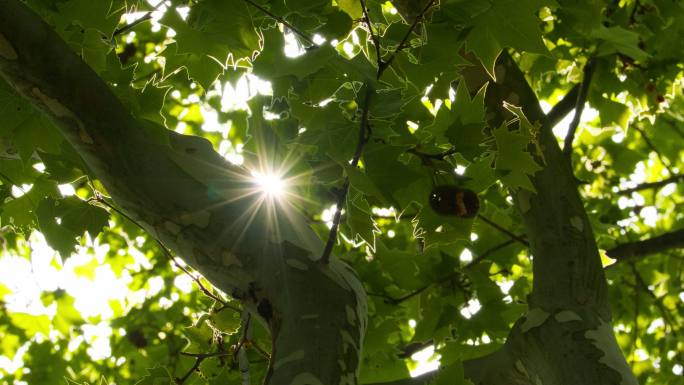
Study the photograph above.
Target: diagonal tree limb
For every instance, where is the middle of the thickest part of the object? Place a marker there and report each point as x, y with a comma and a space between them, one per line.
562, 108
374, 36
579, 107
168, 183
660, 243
676, 178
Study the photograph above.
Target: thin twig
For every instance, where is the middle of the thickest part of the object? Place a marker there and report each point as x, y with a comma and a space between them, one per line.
98, 198
579, 107
438, 156
281, 21
653, 148
396, 301
489, 252
240, 351
657, 301
519, 238
227, 306
207, 355
8, 179
364, 135
374, 36
404, 41
195, 367
260, 350
134, 23
635, 334
201, 286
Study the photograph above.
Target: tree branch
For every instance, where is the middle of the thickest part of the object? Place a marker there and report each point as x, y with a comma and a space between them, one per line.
404, 41
653, 185
134, 23
451, 276
657, 301
374, 36
495, 225
281, 21
562, 108
489, 252
653, 148
579, 107
192, 200
664, 242
364, 135
567, 266
438, 156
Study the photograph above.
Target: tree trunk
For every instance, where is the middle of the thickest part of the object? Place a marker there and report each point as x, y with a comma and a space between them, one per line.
566, 337
198, 205
206, 211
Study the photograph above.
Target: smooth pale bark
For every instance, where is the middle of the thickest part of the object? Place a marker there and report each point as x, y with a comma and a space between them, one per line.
185, 195
566, 337
202, 208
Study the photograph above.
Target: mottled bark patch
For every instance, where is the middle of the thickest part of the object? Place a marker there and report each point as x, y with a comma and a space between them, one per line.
6, 49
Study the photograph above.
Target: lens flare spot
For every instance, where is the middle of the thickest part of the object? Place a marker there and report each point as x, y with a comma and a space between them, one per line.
270, 184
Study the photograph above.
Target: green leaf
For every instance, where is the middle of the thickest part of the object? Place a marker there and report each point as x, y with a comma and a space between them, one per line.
226, 320
513, 157
4, 290
360, 220
66, 316
462, 123
79, 216
399, 183
612, 112
450, 375
337, 25
217, 33
37, 133
273, 63
400, 265
45, 362
360, 181
382, 367
351, 7
90, 14
199, 336
156, 376
31, 324
62, 221
505, 24
618, 39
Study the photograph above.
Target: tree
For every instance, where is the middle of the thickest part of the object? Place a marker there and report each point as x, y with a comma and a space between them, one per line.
462, 221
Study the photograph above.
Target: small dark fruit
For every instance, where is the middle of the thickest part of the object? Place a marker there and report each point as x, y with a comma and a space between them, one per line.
454, 201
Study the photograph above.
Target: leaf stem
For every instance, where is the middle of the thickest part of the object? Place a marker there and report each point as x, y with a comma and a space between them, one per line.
374, 36
282, 21
364, 136
404, 41
98, 198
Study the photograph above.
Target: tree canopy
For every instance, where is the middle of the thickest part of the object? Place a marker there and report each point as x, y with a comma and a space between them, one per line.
313, 192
